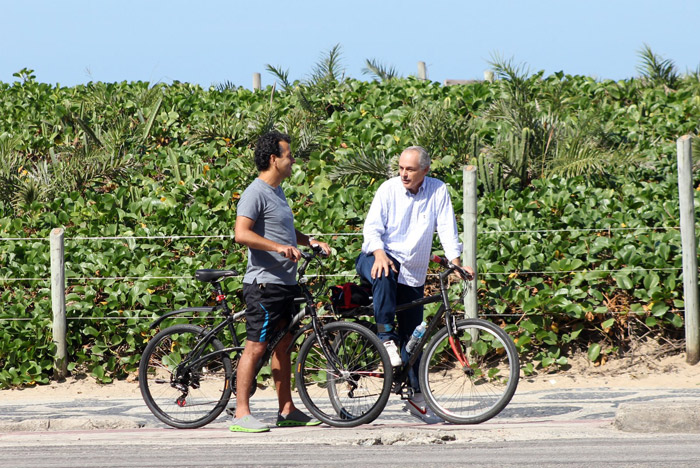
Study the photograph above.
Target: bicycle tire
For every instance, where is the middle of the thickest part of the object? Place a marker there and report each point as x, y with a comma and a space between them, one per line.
359, 392
475, 393
195, 398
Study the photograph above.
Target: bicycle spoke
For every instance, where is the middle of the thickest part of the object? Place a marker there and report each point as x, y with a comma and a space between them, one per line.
474, 392
355, 392
178, 393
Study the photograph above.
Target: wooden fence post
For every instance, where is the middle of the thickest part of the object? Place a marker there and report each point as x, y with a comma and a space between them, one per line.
422, 71
257, 82
471, 306
686, 196
58, 302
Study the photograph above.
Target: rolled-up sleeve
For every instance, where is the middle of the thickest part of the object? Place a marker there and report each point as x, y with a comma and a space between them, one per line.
447, 225
375, 224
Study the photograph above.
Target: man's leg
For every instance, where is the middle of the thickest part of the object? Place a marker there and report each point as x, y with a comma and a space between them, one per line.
245, 375
281, 366
408, 320
383, 296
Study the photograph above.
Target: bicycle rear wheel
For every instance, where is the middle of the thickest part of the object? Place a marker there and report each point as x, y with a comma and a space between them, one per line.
181, 395
355, 390
474, 391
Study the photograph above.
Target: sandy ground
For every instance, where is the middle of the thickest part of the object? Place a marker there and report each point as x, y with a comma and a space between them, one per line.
640, 371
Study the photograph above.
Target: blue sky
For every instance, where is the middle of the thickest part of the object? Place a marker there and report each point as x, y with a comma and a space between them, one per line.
214, 41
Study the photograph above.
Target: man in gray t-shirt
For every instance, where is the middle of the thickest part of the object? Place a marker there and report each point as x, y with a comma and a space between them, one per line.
274, 220
265, 224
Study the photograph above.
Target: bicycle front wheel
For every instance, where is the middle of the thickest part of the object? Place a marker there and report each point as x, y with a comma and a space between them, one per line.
183, 389
351, 385
472, 378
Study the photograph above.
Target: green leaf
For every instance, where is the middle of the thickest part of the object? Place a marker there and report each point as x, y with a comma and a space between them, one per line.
607, 324
593, 352
623, 281
98, 372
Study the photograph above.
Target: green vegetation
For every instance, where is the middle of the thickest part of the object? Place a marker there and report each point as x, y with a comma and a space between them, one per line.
578, 246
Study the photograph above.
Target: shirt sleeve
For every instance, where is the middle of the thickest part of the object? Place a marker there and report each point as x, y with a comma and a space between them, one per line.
250, 204
447, 225
375, 222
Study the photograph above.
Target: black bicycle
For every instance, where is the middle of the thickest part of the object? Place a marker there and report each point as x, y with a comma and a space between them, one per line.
469, 368
187, 375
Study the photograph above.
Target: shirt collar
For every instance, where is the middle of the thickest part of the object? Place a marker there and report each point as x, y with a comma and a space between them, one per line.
420, 189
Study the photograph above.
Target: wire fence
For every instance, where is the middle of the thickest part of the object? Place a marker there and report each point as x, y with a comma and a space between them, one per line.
511, 273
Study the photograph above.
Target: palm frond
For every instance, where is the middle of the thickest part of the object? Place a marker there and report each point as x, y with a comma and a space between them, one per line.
225, 86
306, 132
656, 69
577, 156
375, 164
504, 69
262, 122
35, 185
148, 124
281, 75
28, 191
439, 130
222, 126
695, 151
329, 68
86, 129
583, 147
379, 70
11, 167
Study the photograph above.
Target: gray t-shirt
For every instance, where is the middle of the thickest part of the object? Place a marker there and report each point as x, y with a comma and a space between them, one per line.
274, 220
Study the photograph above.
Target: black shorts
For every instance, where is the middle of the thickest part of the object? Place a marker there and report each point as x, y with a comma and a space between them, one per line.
268, 305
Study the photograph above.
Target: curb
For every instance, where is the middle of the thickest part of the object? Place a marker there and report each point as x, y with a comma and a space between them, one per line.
72, 424
658, 418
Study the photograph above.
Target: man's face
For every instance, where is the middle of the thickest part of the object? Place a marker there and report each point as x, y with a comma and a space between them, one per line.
284, 161
410, 171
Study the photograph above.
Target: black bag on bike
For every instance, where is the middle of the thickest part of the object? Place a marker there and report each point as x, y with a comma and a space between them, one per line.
350, 296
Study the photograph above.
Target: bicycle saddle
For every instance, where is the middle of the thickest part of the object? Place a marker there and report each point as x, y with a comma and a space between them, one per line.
210, 276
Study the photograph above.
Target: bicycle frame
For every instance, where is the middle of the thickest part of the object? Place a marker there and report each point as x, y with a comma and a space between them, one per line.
445, 310
195, 358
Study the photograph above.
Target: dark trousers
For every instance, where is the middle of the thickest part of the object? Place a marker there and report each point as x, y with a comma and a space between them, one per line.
387, 293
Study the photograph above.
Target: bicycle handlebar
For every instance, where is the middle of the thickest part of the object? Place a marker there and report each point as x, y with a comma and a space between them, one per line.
316, 251
442, 261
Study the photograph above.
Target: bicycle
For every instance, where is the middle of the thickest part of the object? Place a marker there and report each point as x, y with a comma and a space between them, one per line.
187, 376
469, 368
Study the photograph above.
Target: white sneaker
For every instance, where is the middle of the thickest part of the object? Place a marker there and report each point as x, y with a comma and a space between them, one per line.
416, 407
393, 353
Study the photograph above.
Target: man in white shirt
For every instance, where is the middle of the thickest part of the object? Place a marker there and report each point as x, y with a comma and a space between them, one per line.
398, 239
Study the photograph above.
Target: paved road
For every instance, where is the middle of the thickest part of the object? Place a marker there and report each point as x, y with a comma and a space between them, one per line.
599, 409
648, 452
546, 428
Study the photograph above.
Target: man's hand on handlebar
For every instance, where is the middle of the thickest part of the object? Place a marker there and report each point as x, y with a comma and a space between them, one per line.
464, 272
320, 247
290, 252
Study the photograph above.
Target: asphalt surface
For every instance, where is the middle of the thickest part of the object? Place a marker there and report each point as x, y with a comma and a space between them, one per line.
595, 411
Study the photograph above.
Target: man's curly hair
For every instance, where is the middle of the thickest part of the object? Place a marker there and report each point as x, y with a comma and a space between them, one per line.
267, 145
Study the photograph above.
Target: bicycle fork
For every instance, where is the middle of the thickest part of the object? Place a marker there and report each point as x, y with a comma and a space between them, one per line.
457, 347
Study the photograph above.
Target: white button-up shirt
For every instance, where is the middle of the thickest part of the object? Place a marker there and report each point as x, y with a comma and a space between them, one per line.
402, 224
